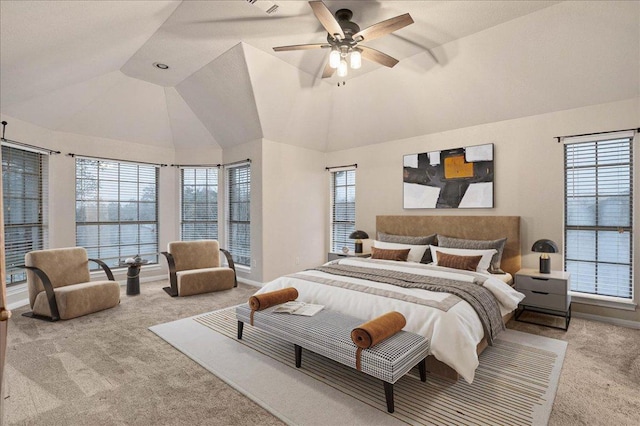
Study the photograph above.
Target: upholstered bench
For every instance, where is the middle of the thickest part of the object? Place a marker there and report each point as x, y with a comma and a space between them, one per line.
328, 333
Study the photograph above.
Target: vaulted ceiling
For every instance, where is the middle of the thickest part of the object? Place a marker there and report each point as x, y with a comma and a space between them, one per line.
87, 68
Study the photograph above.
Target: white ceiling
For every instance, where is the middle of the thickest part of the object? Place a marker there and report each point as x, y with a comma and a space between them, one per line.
85, 67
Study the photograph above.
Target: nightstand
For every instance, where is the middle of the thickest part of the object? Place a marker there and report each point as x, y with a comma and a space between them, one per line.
545, 293
334, 255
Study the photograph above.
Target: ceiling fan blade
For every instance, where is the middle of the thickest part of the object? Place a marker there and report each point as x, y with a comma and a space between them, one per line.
301, 47
328, 71
326, 18
385, 27
377, 56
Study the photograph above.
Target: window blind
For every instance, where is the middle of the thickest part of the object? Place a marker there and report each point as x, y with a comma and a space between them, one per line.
599, 214
239, 213
343, 209
199, 207
117, 210
24, 193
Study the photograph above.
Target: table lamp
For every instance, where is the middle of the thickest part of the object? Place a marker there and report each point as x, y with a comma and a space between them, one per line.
358, 236
545, 247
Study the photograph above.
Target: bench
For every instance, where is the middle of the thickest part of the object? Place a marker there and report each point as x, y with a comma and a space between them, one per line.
328, 333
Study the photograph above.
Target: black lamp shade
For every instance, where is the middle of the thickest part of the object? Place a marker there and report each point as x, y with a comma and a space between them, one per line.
545, 246
358, 236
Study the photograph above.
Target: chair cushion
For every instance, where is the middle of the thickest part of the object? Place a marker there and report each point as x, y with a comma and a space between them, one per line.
65, 266
198, 281
80, 299
195, 254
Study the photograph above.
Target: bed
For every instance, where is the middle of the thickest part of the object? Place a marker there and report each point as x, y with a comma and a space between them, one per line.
458, 330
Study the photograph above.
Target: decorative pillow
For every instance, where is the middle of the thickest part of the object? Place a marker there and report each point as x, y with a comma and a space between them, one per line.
415, 253
466, 263
484, 264
406, 239
400, 254
460, 243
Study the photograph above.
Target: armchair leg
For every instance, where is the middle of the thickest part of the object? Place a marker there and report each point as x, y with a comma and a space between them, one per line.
40, 317
170, 291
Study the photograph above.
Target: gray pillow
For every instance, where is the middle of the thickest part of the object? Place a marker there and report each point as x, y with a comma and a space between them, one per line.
460, 243
414, 241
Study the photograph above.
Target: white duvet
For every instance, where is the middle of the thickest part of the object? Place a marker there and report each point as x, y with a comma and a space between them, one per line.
454, 334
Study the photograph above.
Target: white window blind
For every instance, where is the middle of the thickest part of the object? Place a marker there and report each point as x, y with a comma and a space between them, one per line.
239, 213
599, 214
117, 210
343, 209
24, 187
199, 218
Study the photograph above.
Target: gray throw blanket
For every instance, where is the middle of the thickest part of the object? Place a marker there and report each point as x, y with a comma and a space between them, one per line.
480, 298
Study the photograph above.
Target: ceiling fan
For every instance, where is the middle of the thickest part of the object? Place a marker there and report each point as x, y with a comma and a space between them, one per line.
344, 38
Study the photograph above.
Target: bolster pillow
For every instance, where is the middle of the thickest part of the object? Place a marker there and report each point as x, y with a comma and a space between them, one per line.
378, 329
272, 298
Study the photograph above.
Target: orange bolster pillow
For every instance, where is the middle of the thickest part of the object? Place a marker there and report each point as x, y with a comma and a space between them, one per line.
272, 298
378, 329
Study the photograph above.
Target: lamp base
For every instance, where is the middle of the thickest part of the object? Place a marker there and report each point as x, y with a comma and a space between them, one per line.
545, 265
359, 246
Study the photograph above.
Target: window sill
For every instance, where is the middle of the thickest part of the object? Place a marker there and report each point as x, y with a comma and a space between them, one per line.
603, 301
243, 269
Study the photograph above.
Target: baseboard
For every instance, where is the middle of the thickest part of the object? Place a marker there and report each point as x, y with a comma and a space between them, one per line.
608, 320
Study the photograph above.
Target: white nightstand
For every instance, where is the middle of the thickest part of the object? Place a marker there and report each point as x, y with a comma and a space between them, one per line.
333, 255
545, 293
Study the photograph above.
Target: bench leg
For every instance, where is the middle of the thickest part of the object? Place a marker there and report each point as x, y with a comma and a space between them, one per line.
388, 393
423, 370
240, 328
298, 350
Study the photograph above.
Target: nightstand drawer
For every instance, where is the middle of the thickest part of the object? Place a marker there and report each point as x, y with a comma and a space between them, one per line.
542, 299
545, 285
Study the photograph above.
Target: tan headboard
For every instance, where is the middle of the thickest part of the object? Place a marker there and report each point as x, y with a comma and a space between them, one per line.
468, 227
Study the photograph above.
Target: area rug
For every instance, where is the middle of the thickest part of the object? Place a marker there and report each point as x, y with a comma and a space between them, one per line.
515, 383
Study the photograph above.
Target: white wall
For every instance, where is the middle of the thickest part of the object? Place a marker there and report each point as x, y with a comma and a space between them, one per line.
295, 200
529, 174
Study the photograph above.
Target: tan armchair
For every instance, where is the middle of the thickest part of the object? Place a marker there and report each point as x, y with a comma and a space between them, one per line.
60, 285
194, 268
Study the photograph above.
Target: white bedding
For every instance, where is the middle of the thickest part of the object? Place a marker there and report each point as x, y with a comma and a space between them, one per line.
454, 334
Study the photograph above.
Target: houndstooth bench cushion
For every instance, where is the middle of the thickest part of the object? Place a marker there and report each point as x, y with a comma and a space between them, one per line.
328, 333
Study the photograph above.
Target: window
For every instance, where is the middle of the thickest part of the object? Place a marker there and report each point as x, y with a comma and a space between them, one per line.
117, 210
598, 214
343, 209
239, 213
199, 218
23, 186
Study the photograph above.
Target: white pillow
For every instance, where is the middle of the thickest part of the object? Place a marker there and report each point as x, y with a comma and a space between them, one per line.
415, 252
484, 264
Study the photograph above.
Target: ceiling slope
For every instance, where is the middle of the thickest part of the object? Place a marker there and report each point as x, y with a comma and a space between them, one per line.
188, 131
294, 107
221, 96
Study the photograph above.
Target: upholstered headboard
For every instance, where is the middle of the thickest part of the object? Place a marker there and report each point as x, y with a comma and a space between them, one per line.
468, 227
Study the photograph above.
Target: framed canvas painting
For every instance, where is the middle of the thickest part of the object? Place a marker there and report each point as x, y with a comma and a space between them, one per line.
460, 178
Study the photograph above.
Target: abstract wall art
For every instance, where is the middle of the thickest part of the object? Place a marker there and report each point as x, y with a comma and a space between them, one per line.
449, 179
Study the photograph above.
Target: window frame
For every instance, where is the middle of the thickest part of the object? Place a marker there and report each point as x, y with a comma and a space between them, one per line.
599, 297
244, 257
336, 242
212, 231
124, 250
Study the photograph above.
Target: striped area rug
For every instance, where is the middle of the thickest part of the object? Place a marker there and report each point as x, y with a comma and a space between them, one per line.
514, 385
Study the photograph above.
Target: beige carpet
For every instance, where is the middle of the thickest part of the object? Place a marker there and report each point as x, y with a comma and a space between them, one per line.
515, 383
109, 369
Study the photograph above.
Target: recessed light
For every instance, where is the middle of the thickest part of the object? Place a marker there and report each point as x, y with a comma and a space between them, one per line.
161, 66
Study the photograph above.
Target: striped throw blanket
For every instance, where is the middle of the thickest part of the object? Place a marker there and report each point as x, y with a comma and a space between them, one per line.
480, 298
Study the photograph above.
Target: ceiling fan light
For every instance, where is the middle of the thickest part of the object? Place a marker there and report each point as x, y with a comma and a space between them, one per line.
334, 59
356, 59
343, 68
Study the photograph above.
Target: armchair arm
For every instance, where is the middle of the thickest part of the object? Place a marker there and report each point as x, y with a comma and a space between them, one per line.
232, 265
173, 279
106, 268
48, 288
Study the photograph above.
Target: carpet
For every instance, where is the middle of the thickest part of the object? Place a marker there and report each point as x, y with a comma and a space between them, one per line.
515, 383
